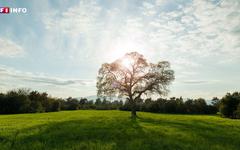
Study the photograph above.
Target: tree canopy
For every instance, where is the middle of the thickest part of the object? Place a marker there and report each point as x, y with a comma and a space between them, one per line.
132, 76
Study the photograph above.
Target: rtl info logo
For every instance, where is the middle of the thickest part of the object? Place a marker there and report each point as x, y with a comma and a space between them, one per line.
7, 10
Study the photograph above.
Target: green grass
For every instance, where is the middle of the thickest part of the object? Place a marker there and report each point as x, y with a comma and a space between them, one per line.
105, 130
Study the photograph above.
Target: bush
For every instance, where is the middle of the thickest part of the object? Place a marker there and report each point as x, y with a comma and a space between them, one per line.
237, 112
229, 105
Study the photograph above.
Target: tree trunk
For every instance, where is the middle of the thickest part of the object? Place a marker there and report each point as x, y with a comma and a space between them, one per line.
133, 108
134, 113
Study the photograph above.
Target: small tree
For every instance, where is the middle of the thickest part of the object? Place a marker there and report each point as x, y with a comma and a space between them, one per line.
132, 76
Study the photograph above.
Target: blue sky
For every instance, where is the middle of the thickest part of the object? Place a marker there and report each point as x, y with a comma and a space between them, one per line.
58, 46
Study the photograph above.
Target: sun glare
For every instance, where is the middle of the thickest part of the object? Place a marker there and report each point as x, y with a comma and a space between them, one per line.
120, 47
127, 63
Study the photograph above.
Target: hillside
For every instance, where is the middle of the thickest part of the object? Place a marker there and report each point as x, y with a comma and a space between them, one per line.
90, 129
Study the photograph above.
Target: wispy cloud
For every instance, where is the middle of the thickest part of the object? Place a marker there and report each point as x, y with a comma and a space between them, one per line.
11, 78
6, 72
209, 29
8, 48
199, 81
76, 20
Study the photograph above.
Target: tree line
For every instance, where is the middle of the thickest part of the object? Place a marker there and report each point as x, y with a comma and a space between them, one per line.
26, 101
174, 106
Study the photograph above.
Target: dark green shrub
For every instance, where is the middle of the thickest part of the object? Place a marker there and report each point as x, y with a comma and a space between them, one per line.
229, 104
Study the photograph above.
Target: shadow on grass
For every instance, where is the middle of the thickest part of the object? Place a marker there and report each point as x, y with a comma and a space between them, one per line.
124, 134
212, 135
94, 133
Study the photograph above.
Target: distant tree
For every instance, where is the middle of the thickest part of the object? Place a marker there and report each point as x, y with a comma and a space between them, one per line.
16, 101
116, 104
36, 102
171, 105
91, 105
180, 107
44, 101
215, 102
133, 76
189, 104
105, 102
120, 103
72, 103
90, 102
161, 105
200, 106
126, 106
56, 105
63, 104
229, 104
155, 107
237, 112
139, 104
2, 103
147, 104
83, 103
98, 101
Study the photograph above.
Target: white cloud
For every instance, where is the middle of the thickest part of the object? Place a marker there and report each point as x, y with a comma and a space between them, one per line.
148, 9
213, 28
76, 30
9, 48
198, 29
188, 36
160, 2
182, 63
193, 29
80, 19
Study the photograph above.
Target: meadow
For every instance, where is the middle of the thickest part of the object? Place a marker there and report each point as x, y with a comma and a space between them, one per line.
105, 130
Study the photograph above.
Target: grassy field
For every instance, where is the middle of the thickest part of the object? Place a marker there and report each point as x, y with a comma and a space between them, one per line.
89, 129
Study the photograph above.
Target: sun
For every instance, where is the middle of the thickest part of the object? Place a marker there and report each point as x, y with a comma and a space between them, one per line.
127, 63
120, 46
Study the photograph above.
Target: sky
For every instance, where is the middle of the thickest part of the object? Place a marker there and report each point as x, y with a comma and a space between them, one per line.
58, 46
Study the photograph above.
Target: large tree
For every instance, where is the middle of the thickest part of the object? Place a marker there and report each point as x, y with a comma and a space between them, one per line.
132, 76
